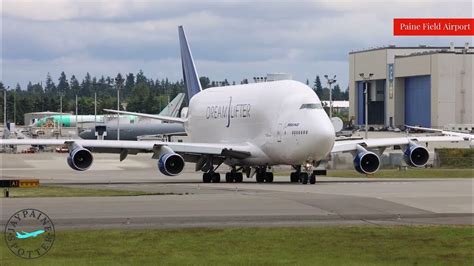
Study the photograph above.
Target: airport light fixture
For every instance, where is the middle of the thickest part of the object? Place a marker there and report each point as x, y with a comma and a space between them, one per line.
77, 121
366, 80
5, 106
61, 94
94, 85
330, 82
118, 85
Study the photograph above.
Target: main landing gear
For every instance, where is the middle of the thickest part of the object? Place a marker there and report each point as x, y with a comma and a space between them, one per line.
263, 176
211, 177
230, 177
234, 176
302, 177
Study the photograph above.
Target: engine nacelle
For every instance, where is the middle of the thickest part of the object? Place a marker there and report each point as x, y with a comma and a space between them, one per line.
171, 164
80, 159
366, 162
415, 155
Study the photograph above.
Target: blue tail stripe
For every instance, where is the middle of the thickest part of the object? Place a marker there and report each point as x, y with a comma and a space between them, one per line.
191, 78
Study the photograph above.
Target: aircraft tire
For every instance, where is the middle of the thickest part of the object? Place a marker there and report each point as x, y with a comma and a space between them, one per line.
239, 177
216, 178
229, 177
260, 177
304, 178
206, 178
312, 179
294, 177
269, 177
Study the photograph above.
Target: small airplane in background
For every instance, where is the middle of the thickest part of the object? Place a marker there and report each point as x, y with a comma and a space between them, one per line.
24, 234
143, 128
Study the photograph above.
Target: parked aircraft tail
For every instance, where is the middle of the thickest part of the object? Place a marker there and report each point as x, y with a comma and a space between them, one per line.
172, 109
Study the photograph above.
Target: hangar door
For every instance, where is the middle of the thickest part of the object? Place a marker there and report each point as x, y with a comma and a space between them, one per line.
376, 104
418, 101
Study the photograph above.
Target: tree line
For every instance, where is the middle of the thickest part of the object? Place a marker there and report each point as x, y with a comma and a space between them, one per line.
323, 92
138, 93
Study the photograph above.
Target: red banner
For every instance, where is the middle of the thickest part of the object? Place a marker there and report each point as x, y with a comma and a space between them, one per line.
433, 27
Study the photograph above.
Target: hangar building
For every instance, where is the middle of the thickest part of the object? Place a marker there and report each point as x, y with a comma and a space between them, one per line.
425, 86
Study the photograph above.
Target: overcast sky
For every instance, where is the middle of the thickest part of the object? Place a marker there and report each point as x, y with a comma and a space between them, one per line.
229, 39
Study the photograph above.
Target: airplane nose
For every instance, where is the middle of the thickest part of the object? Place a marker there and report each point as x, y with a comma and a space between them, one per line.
86, 134
324, 137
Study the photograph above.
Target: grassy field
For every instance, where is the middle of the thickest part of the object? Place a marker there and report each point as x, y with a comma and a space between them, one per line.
56, 191
456, 158
409, 173
260, 246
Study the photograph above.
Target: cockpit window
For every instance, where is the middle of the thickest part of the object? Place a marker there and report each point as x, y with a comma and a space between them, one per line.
311, 106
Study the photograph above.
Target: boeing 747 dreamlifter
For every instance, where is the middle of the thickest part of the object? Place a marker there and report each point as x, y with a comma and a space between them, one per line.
250, 128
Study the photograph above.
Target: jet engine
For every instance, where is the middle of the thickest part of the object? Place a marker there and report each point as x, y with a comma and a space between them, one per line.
80, 159
415, 155
366, 162
170, 164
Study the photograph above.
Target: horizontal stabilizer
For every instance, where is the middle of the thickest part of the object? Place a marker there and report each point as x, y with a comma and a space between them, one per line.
158, 117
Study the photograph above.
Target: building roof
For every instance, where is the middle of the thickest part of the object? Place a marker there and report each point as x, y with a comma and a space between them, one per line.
434, 52
421, 47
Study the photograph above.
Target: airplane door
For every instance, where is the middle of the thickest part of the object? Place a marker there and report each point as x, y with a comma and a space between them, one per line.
279, 132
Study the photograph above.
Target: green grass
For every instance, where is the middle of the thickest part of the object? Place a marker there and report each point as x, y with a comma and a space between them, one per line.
409, 173
57, 191
456, 158
434, 245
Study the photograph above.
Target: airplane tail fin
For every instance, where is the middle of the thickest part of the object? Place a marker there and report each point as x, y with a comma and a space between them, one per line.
191, 78
172, 109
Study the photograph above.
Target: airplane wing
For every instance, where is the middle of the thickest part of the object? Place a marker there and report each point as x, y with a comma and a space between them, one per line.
351, 145
159, 117
133, 147
444, 132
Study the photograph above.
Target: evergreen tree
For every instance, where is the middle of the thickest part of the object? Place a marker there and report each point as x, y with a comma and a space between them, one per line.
129, 84
63, 85
141, 77
318, 88
336, 93
86, 86
50, 87
205, 82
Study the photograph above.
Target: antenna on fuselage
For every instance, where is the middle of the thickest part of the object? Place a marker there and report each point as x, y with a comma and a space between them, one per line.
190, 76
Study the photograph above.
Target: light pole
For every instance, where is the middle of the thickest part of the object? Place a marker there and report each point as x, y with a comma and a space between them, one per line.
77, 121
5, 106
60, 113
330, 82
366, 96
95, 103
14, 107
118, 84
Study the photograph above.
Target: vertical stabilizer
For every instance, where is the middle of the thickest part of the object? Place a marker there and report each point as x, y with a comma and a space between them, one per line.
172, 109
191, 78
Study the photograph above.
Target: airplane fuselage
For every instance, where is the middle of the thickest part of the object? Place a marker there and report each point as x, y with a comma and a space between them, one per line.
283, 120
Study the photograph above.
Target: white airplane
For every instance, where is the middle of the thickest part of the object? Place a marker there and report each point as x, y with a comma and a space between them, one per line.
249, 127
